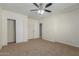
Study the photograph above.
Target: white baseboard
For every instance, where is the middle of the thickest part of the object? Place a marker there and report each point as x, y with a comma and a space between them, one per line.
65, 42
69, 43
33, 38
49, 40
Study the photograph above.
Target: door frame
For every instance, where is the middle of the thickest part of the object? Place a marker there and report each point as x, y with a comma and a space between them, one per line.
40, 30
14, 29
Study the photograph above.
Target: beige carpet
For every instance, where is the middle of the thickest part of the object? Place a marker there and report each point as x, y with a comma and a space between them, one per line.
39, 48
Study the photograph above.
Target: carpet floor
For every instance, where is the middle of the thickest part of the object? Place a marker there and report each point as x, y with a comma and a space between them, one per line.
38, 47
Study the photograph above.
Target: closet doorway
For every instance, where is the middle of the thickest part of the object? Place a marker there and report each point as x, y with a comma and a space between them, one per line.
11, 31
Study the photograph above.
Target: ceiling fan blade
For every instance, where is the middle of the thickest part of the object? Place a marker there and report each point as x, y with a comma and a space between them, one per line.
47, 10
49, 4
34, 10
36, 5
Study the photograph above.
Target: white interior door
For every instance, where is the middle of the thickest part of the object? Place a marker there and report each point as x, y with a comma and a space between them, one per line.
36, 30
11, 31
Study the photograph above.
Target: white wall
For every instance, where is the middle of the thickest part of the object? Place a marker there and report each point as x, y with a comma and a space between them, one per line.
48, 29
21, 26
62, 28
0, 29
24, 28
33, 28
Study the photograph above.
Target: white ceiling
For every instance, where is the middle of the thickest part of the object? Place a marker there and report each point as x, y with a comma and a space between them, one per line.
24, 8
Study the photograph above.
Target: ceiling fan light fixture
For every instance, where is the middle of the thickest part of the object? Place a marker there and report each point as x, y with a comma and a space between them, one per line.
41, 8
41, 12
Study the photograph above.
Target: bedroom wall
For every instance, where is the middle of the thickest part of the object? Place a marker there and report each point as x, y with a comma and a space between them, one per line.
24, 27
0, 29
62, 28
21, 26
48, 26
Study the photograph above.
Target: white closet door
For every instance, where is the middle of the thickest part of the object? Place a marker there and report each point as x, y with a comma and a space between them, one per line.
33, 29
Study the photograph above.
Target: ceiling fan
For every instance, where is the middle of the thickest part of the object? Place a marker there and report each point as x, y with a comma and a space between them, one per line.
41, 8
